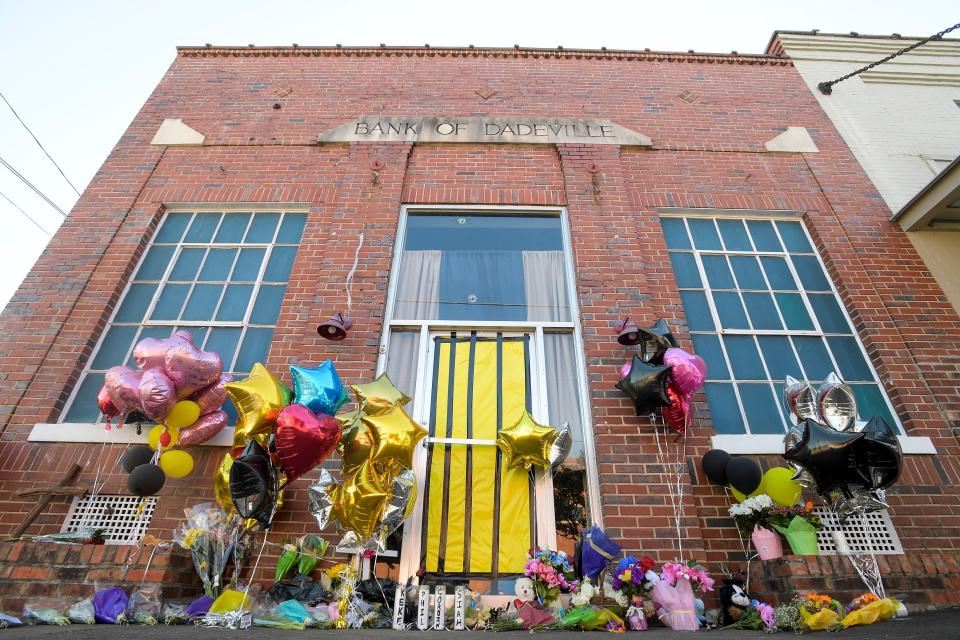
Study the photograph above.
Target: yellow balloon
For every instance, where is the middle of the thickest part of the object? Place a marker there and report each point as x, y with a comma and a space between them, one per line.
221, 484
741, 497
378, 396
393, 436
356, 450
348, 421
183, 414
153, 438
526, 443
176, 463
258, 399
360, 501
778, 483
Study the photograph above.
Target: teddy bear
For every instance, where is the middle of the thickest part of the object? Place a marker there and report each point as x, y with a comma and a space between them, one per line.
524, 589
733, 600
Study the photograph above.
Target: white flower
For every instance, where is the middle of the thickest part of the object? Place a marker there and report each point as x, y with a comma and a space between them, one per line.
621, 598
562, 554
652, 577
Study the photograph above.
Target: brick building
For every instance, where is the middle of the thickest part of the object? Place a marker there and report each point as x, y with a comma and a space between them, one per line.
514, 205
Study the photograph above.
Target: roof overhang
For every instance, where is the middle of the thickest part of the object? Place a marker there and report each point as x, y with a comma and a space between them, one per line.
937, 206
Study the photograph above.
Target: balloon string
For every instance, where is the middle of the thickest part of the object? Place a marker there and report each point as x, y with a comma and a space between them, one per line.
353, 270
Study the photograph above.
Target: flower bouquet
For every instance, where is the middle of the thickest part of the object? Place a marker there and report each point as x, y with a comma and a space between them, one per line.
551, 573
752, 517
758, 616
799, 526
210, 535
675, 592
868, 608
631, 584
819, 612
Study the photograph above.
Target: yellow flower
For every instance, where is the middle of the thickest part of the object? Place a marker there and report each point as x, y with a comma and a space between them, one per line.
626, 576
336, 570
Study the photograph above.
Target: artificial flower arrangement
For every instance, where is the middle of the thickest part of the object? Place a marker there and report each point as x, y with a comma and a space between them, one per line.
676, 592
551, 573
631, 581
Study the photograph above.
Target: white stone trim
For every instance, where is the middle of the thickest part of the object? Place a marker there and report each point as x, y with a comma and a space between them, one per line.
773, 444
793, 140
174, 133
96, 433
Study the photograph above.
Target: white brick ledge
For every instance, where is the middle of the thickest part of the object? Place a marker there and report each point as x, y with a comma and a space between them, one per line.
773, 444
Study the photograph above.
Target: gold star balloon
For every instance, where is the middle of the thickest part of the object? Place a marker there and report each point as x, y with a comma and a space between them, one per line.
378, 396
526, 443
258, 398
361, 501
356, 449
393, 437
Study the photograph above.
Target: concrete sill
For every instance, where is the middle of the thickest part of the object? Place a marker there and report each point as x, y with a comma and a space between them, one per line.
95, 433
773, 444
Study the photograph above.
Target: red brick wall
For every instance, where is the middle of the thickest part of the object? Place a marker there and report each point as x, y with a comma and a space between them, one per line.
708, 153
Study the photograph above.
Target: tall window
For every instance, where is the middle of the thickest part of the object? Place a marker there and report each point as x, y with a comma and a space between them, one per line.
219, 275
760, 306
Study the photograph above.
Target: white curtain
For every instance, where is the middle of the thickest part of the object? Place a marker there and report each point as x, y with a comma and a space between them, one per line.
563, 392
402, 362
418, 287
545, 285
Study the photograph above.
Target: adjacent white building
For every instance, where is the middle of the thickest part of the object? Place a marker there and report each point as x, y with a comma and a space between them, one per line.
901, 119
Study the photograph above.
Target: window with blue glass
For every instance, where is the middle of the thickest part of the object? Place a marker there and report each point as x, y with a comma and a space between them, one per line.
219, 275
760, 306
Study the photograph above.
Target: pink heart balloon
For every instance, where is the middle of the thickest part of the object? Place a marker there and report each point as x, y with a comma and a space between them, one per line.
150, 352
689, 371
191, 369
106, 405
211, 398
625, 369
304, 439
203, 429
123, 387
157, 394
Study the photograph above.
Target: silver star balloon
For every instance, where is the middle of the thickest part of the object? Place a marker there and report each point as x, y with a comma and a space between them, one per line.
561, 446
403, 490
319, 502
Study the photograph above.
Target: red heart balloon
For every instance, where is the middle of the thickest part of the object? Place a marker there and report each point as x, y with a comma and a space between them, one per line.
304, 439
677, 415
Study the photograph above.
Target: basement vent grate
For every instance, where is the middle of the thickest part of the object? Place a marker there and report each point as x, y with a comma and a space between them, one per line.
120, 517
874, 532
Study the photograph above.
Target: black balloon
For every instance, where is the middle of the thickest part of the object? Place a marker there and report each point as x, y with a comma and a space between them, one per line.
654, 342
146, 480
136, 456
646, 384
879, 457
744, 474
715, 466
254, 484
830, 456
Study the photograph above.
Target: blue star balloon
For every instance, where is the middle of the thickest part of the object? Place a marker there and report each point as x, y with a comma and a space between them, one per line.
318, 388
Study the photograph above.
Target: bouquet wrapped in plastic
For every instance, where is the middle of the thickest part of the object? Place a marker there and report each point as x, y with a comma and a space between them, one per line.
144, 606
82, 612
210, 535
819, 613
868, 609
46, 611
110, 605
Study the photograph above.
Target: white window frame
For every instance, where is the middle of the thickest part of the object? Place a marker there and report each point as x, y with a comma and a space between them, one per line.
61, 431
428, 329
749, 443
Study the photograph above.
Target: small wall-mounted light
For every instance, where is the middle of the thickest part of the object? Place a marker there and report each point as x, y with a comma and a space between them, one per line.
628, 333
336, 327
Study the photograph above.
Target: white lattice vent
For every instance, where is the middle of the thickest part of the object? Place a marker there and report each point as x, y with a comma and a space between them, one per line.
873, 532
121, 517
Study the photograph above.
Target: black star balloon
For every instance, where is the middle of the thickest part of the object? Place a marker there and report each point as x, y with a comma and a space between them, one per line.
829, 456
655, 341
878, 456
646, 384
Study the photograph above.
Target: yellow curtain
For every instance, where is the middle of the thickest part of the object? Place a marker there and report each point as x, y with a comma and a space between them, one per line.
480, 386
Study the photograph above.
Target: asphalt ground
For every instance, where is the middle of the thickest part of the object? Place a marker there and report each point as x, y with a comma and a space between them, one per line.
939, 625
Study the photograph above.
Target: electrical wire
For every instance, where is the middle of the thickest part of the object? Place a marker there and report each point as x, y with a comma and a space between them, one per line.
35, 190
27, 215
46, 153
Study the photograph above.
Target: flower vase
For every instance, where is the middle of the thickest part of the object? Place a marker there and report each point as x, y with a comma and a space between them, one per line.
767, 543
636, 620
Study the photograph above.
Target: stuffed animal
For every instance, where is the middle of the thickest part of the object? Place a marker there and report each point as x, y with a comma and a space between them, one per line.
524, 589
733, 600
585, 591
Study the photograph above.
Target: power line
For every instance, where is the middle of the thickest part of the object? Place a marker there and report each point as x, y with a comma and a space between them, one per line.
17, 115
17, 207
35, 190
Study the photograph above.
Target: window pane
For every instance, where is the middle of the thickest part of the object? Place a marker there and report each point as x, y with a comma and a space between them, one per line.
204, 224
744, 358
724, 409
794, 237
685, 270
696, 310
199, 334
763, 313
113, 349
224, 341
794, 312
704, 233
849, 357
730, 311
811, 273
292, 228
170, 302
84, 408
217, 265
135, 303
147, 332
718, 273
185, 268
232, 228
870, 403
778, 273
747, 271
234, 305
813, 357
248, 265
708, 348
403, 363
267, 307
263, 227
231, 412
675, 233
172, 228
256, 345
779, 357
764, 237
155, 263
763, 412
280, 264
203, 300
829, 313
734, 235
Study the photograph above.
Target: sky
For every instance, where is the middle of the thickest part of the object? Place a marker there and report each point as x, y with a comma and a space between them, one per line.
78, 72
